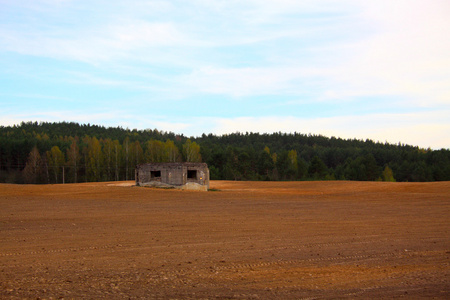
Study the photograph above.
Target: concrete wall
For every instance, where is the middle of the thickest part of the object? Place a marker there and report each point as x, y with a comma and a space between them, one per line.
178, 175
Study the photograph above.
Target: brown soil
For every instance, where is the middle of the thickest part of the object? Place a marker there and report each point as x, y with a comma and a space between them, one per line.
245, 240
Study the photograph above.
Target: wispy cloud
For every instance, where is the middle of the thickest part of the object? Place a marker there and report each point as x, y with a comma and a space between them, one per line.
425, 130
285, 55
430, 129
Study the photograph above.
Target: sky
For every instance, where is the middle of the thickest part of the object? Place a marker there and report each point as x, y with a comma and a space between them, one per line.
376, 70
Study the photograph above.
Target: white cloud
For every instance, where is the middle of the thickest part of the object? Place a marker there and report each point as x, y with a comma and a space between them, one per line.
99, 45
407, 55
422, 129
315, 51
136, 33
239, 82
397, 49
430, 129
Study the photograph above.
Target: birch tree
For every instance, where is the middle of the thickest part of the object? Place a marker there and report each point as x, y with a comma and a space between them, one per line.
191, 151
95, 159
154, 151
56, 161
117, 150
126, 153
138, 153
171, 151
292, 170
108, 147
73, 158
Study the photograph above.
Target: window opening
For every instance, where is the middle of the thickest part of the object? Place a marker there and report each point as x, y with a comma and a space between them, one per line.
155, 174
192, 174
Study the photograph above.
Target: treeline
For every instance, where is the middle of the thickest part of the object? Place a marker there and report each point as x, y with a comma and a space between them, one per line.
70, 152
281, 156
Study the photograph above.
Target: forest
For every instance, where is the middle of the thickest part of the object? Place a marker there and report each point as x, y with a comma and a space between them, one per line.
67, 152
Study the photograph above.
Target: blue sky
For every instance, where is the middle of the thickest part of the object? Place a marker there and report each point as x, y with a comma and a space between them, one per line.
351, 69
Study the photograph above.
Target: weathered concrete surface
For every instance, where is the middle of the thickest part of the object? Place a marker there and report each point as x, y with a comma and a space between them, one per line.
178, 175
188, 186
194, 187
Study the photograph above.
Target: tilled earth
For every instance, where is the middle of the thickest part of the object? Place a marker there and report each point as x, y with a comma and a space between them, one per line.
243, 240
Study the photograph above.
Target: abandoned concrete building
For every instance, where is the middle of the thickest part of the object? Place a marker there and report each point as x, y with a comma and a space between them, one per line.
188, 176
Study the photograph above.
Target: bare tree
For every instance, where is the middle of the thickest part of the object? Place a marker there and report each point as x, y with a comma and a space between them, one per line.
33, 166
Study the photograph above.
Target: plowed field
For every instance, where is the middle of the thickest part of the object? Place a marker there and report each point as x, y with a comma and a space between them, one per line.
244, 240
